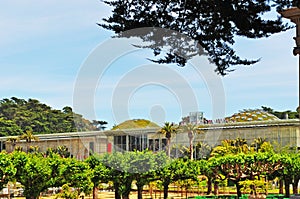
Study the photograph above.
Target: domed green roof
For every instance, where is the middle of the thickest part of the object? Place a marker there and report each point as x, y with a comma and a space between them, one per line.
135, 124
251, 115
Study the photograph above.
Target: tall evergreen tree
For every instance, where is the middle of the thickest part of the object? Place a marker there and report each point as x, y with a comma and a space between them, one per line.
213, 24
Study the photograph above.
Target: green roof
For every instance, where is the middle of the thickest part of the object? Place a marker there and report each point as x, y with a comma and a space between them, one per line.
250, 115
135, 124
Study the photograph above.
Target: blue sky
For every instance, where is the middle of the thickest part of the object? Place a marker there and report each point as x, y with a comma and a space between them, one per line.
44, 46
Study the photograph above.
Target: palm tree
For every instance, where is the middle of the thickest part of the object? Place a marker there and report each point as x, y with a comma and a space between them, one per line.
168, 129
28, 137
191, 130
203, 150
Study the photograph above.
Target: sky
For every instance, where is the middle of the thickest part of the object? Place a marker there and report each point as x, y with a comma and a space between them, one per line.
55, 52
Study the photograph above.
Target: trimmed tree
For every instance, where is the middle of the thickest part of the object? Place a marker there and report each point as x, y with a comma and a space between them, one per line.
33, 172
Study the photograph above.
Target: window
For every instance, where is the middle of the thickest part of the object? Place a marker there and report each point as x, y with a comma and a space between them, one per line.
91, 147
138, 142
120, 143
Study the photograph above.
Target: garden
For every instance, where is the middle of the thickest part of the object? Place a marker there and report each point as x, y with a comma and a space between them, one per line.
230, 170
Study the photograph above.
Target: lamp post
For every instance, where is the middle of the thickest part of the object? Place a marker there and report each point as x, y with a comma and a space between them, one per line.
294, 15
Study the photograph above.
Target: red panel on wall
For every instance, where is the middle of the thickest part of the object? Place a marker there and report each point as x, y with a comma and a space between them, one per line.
109, 146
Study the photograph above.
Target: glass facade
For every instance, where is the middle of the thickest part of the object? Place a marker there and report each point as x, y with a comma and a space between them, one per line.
138, 142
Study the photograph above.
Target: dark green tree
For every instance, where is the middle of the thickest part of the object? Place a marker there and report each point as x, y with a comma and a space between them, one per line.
99, 125
18, 115
9, 128
214, 25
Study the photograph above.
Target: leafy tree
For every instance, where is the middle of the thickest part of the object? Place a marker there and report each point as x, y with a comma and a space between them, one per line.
206, 170
139, 166
240, 167
33, 172
18, 115
118, 166
290, 171
98, 172
168, 129
296, 172
177, 169
7, 169
56, 164
144, 165
77, 174
282, 114
9, 128
67, 193
212, 24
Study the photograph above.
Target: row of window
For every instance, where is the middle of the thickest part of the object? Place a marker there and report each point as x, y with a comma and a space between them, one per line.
138, 142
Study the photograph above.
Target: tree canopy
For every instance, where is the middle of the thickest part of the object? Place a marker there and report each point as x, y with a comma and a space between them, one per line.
18, 116
214, 25
249, 167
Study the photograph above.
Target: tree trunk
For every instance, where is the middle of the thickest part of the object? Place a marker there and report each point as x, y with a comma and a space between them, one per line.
287, 187
140, 191
124, 196
166, 190
295, 186
191, 149
238, 189
280, 186
126, 192
31, 197
169, 147
95, 192
216, 188
209, 186
117, 193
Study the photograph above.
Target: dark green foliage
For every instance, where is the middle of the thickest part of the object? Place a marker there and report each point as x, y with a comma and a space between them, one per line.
213, 24
18, 116
9, 127
282, 114
99, 125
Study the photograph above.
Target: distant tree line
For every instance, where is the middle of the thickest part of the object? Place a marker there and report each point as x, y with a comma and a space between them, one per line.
282, 114
18, 116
